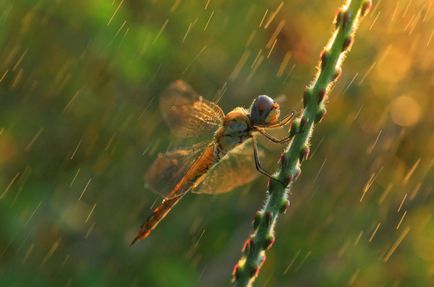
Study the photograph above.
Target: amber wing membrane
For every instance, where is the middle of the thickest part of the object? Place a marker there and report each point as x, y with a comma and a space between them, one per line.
235, 169
188, 114
168, 169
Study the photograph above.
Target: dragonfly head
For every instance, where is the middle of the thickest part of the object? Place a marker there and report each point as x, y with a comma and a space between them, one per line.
264, 111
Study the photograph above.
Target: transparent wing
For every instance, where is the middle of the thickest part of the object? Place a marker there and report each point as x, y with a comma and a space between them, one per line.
235, 169
168, 168
188, 114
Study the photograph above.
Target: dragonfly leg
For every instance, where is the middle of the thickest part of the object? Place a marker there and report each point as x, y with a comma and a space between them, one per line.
286, 120
273, 139
259, 168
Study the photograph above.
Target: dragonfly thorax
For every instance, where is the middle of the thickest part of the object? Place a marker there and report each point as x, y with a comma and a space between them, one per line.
236, 122
235, 130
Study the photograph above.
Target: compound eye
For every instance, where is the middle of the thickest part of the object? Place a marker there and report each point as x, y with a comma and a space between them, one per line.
261, 108
264, 104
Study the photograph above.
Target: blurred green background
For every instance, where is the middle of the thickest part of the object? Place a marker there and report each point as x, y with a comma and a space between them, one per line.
80, 125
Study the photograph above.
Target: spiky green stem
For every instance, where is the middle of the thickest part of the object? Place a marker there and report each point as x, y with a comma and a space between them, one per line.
314, 98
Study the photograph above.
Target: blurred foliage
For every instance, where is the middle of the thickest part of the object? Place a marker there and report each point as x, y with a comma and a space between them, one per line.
79, 125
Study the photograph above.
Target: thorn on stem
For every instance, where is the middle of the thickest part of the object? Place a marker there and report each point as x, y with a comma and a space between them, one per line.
303, 123
321, 95
294, 128
269, 241
338, 18
337, 74
304, 153
320, 114
345, 20
325, 56
236, 272
262, 261
268, 218
366, 7
254, 270
284, 206
247, 247
258, 219
347, 43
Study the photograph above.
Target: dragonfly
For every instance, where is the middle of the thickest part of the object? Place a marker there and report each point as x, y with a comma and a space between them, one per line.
223, 164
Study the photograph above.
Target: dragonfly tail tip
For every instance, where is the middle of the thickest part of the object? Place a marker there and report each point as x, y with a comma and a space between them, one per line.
134, 241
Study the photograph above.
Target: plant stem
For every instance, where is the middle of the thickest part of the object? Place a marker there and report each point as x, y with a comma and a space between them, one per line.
314, 98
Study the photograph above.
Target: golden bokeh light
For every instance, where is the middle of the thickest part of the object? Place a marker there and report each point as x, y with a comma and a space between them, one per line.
404, 111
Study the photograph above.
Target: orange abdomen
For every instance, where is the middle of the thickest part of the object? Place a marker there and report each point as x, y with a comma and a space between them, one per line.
191, 179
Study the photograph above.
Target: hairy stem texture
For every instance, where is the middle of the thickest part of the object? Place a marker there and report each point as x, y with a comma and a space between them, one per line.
315, 96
